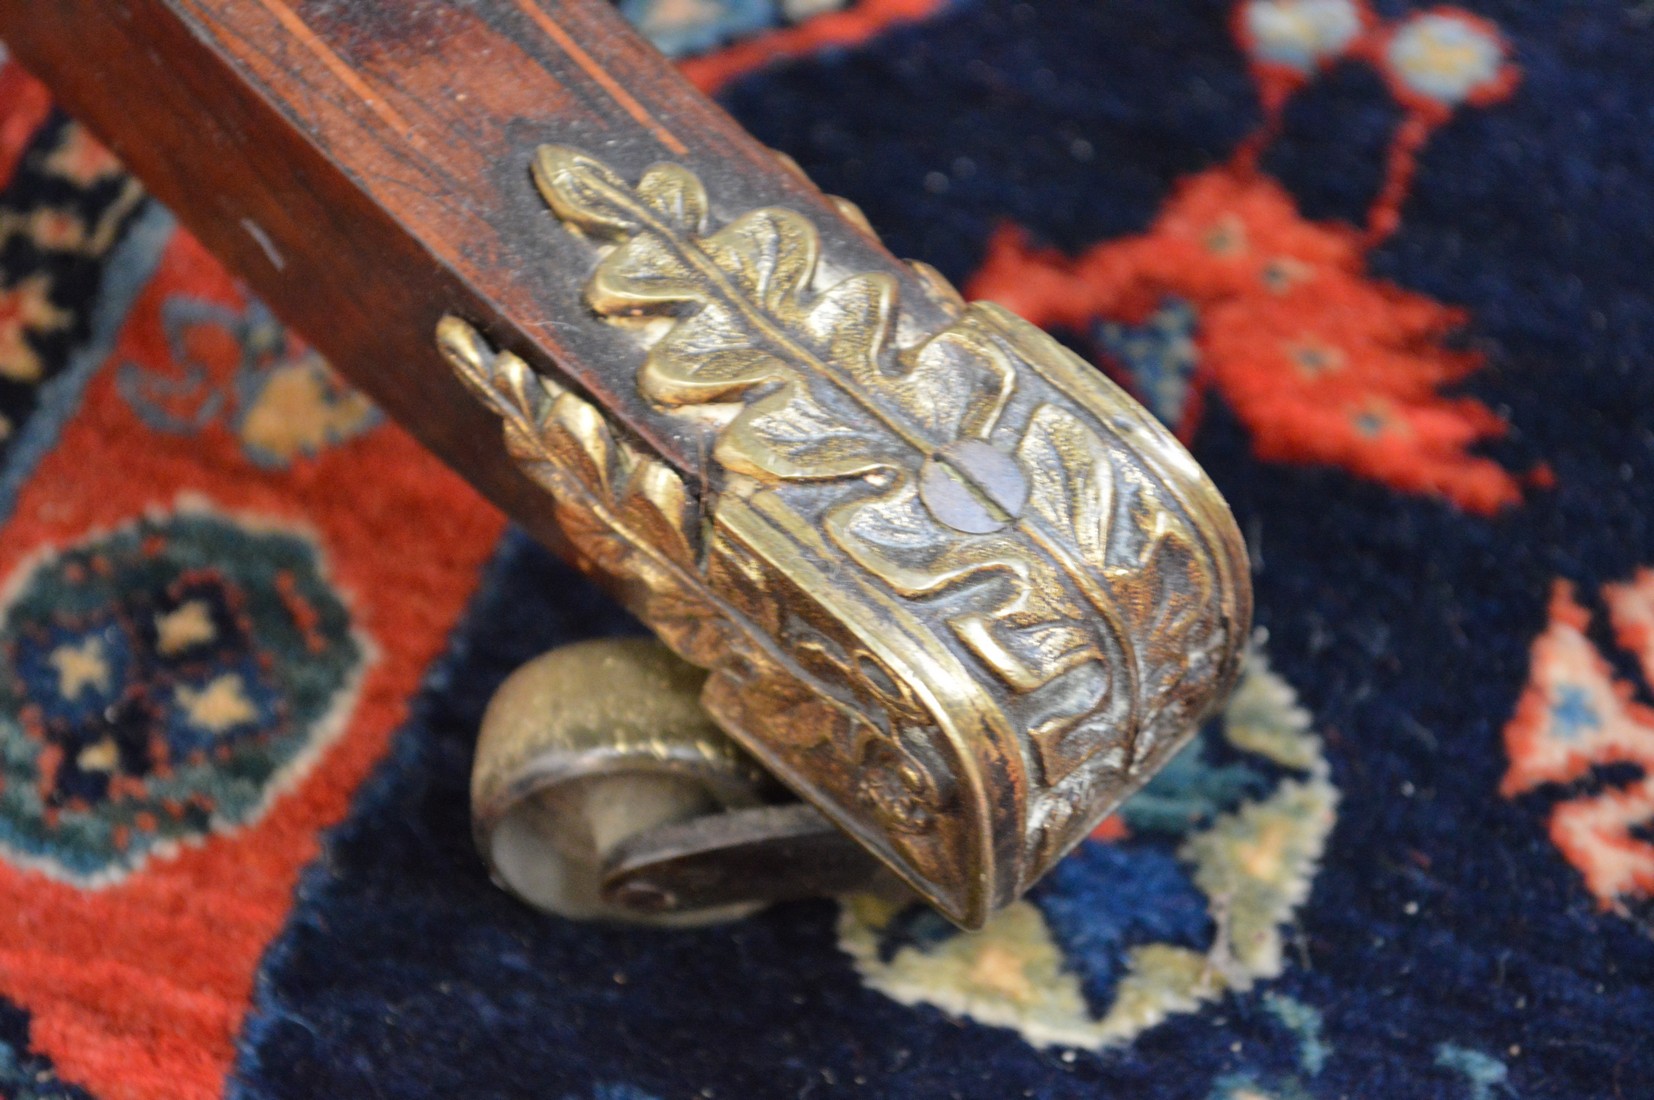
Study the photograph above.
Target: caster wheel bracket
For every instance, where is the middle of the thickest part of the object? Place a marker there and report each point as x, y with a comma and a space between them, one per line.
760, 855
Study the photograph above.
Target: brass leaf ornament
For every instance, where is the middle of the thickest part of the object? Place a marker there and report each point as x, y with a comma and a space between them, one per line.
953, 586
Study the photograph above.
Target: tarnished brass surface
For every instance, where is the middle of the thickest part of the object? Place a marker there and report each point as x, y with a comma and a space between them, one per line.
584, 748
953, 586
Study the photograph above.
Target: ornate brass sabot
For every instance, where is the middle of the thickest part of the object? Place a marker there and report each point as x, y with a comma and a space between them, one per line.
954, 587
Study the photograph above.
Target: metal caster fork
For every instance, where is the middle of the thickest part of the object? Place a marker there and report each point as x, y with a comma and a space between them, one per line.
602, 790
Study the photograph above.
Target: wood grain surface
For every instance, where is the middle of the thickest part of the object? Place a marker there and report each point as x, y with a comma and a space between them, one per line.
365, 167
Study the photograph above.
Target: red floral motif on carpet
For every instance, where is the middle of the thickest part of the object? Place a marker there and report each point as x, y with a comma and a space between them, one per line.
1233, 288
1576, 717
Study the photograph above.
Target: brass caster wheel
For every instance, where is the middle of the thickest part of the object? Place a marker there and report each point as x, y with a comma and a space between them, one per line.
587, 748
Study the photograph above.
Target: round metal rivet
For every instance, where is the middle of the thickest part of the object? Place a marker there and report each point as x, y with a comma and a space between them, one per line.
972, 487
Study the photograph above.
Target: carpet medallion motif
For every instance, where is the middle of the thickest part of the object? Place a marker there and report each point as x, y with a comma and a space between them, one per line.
165, 679
1183, 895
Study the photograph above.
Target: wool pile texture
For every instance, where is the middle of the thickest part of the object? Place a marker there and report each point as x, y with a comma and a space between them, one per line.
1385, 267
